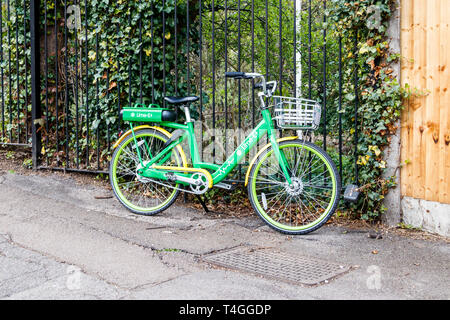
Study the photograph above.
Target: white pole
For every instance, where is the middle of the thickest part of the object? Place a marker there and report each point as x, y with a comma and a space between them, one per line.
298, 54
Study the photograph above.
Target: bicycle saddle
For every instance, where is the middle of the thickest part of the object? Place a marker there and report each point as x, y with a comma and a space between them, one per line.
184, 100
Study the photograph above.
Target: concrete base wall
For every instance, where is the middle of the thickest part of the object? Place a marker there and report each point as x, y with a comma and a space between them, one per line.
427, 215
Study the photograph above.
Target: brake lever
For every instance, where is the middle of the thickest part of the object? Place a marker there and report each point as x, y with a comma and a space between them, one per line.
258, 86
269, 86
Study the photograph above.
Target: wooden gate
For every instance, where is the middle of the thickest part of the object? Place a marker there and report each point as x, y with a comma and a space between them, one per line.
426, 119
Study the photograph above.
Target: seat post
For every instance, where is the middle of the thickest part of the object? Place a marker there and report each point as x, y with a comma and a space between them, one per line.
187, 112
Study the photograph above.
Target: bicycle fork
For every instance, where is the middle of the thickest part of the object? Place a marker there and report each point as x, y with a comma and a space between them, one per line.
279, 154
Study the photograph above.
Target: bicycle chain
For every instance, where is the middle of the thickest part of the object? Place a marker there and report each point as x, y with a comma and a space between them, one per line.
148, 180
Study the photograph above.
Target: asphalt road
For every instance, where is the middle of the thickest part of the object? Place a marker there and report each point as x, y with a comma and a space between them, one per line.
57, 241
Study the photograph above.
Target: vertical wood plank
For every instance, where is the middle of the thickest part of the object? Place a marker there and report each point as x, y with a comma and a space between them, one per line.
420, 72
407, 66
432, 101
444, 75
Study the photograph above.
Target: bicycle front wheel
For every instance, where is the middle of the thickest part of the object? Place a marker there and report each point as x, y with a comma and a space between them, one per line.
308, 202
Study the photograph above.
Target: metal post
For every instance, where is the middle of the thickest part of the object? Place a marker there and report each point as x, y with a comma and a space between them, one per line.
298, 53
356, 83
35, 82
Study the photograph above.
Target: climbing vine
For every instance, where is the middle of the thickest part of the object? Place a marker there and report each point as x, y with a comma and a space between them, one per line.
362, 26
106, 56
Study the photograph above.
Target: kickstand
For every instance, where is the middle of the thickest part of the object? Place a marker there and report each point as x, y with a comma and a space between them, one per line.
203, 203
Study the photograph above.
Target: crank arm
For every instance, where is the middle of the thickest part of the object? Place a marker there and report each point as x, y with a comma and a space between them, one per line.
160, 172
179, 179
148, 180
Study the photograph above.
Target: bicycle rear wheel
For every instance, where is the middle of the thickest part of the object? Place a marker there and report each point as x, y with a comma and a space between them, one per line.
140, 195
306, 204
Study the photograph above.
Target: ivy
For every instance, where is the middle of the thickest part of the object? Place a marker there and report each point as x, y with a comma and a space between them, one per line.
117, 53
16, 82
380, 94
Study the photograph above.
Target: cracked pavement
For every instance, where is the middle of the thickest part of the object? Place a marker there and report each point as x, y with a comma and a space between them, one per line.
57, 241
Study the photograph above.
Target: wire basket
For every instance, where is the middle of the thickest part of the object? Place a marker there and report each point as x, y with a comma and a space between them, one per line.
297, 113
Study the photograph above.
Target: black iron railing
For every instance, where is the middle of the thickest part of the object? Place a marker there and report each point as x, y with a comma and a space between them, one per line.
84, 63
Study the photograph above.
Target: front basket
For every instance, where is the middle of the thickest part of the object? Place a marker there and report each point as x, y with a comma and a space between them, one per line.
297, 113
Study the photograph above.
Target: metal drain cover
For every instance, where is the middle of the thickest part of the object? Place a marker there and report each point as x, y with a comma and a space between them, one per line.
278, 265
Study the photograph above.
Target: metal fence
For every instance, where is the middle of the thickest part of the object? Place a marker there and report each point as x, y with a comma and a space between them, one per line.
15, 73
69, 67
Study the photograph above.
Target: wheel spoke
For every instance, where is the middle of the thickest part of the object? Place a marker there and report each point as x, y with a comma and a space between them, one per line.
306, 202
142, 194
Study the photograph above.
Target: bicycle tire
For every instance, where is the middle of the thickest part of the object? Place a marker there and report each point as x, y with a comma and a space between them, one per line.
260, 204
127, 203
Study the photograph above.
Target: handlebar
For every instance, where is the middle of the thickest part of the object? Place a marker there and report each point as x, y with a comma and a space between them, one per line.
237, 75
268, 88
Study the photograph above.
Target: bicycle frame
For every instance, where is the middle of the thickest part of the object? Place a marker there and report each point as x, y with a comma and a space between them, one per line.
303, 195
264, 128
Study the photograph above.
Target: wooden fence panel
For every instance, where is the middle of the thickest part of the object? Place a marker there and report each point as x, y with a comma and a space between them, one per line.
425, 120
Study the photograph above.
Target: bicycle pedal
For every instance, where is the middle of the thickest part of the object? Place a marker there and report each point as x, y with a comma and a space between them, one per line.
352, 193
227, 186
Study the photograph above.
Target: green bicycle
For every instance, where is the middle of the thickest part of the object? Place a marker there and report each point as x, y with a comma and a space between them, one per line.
293, 185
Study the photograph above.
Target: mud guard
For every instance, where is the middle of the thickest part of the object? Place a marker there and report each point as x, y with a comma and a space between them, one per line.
159, 129
247, 176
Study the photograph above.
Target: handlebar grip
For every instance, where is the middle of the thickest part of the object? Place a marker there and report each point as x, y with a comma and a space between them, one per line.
238, 75
235, 75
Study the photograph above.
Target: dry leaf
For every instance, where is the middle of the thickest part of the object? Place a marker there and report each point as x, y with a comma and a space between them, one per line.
112, 85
